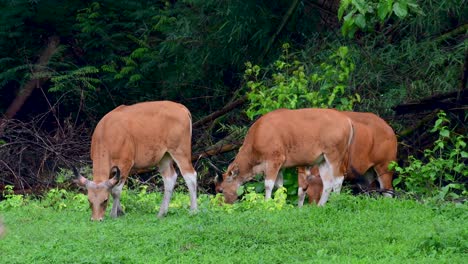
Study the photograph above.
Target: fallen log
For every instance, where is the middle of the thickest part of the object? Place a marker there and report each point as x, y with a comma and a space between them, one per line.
453, 100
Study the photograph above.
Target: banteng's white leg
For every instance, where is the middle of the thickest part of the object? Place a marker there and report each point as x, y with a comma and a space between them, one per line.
169, 178
191, 181
301, 196
190, 177
271, 174
385, 178
332, 179
326, 173
382, 186
269, 184
337, 183
116, 206
116, 210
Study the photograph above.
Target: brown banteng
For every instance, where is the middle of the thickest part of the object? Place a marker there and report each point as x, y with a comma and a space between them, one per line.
373, 148
309, 182
139, 136
289, 138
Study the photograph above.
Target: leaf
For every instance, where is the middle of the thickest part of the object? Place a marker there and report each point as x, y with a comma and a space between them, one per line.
444, 133
343, 6
340, 12
360, 21
360, 5
400, 9
383, 10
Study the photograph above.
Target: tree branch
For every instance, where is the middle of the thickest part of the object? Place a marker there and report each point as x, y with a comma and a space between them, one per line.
222, 111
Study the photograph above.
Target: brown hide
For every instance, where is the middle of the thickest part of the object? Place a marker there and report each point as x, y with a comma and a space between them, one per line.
374, 146
289, 138
138, 136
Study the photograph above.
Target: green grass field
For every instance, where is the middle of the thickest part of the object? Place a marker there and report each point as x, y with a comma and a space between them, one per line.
347, 230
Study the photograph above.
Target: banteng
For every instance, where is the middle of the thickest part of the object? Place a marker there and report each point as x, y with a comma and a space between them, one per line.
139, 136
373, 148
289, 138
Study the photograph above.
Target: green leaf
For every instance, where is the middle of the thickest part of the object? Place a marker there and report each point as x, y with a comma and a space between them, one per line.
445, 133
341, 12
400, 9
383, 10
360, 21
360, 5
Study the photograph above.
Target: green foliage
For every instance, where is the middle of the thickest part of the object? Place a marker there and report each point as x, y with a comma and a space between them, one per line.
60, 199
12, 200
407, 232
442, 172
366, 14
81, 78
292, 86
251, 200
140, 200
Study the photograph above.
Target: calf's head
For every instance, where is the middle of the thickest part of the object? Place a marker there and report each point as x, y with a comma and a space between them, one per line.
98, 193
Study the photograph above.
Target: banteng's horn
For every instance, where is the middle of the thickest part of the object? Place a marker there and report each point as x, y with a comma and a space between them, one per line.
79, 179
115, 173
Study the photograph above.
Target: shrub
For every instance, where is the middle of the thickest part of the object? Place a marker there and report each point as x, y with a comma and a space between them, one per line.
293, 84
442, 172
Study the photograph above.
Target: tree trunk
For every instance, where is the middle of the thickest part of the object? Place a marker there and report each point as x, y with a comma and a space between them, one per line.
28, 88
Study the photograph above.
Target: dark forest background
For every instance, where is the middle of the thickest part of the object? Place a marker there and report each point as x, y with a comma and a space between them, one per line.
64, 64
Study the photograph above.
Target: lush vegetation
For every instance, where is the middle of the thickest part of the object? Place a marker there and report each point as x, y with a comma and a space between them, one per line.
64, 64
442, 171
349, 229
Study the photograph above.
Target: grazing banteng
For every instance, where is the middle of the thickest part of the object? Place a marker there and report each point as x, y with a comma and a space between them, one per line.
309, 182
139, 136
374, 146
289, 138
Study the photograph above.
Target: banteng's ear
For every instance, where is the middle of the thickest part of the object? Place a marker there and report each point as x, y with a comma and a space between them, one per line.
235, 170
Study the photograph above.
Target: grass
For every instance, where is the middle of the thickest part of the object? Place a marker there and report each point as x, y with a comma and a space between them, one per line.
347, 230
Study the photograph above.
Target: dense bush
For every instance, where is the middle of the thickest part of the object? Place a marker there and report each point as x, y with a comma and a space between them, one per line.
443, 170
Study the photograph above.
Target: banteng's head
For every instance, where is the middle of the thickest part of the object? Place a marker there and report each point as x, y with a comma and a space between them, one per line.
230, 183
98, 193
310, 181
